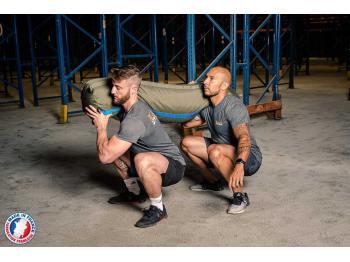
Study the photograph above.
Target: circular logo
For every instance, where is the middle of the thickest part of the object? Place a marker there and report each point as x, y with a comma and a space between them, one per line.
20, 228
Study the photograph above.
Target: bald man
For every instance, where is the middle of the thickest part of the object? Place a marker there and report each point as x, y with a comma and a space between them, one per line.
232, 149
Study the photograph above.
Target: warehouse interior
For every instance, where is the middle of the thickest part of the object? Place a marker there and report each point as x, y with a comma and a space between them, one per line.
291, 71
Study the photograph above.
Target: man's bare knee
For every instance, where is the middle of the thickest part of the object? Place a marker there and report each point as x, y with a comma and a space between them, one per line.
185, 143
142, 163
211, 148
214, 154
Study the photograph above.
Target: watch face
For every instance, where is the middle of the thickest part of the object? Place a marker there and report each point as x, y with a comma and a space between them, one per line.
239, 160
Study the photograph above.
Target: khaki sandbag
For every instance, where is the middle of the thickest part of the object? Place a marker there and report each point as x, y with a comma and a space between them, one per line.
97, 92
171, 103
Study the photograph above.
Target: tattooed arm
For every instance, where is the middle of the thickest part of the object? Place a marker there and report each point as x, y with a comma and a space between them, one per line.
196, 121
241, 132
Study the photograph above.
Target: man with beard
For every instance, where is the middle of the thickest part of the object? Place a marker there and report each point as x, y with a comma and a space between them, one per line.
141, 147
232, 149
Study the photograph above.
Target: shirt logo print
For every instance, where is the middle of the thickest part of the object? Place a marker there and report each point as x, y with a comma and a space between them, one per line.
152, 117
218, 123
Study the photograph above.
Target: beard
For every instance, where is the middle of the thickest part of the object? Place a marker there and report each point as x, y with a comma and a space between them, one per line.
208, 93
121, 100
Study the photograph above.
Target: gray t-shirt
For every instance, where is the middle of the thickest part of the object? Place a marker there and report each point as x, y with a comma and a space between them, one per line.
141, 127
221, 120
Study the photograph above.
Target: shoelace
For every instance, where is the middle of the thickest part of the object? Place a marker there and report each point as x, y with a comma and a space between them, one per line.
237, 199
149, 212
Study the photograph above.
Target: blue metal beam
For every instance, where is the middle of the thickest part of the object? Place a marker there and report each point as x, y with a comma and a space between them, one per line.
18, 63
233, 51
215, 61
67, 58
82, 64
165, 49
127, 20
222, 31
104, 55
276, 55
266, 89
148, 66
128, 34
81, 29
118, 39
258, 56
191, 48
260, 52
292, 56
37, 27
182, 49
154, 46
246, 64
267, 19
33, 62
60, 54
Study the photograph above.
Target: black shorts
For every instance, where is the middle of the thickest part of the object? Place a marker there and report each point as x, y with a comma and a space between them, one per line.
173, 174
251, 166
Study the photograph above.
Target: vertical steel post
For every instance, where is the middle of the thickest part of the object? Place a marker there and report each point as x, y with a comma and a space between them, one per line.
292, 55
118, 39
18, 63
154, 46
348, 62
33, 61
191, 48
213, 43
5, 76
4, 67
104, 55
307, 63
268, 47
276, 55
246, 62
67, 58
60, 54
165, 50
233, 51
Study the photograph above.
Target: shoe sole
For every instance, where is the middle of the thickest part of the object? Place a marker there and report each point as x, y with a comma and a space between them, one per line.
126, 202
151, 225
233, 213
204, 190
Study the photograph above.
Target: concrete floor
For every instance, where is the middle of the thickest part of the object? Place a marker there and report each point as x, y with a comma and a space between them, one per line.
300, 196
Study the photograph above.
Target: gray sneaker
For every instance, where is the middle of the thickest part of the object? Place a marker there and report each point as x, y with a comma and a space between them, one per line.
238, 203
206, 186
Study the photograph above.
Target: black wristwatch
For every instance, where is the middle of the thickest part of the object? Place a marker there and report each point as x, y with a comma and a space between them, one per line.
240, 161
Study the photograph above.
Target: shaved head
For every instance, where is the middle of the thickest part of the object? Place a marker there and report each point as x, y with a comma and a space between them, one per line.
223, 73
217, 83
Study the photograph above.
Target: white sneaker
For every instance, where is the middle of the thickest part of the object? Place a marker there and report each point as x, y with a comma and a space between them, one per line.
238, 203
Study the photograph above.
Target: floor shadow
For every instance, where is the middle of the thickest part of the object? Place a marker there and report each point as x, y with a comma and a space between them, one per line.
75, 173
75, 170
194, 175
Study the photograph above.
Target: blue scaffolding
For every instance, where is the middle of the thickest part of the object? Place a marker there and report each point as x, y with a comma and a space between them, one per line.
147, 52
9, 38
243, 49
65, 73
249, 53
36, 43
